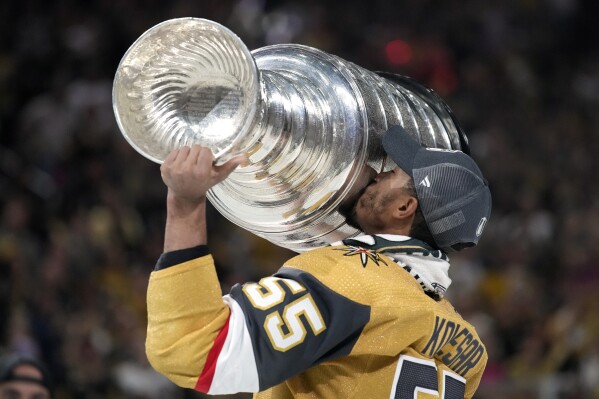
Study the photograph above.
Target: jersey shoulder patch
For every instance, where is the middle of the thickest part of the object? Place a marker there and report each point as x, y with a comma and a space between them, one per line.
296, 322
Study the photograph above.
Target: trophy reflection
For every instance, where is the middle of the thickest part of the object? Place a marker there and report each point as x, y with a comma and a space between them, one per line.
310, 123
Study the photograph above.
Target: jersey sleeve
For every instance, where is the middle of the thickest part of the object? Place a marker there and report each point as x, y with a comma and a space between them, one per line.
279, 327
186, 317
257, 336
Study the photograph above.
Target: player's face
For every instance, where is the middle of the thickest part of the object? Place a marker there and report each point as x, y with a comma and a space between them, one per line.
372, 211
24, 389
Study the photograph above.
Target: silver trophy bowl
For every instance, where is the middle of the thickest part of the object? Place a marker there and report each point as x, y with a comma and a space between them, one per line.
310, 123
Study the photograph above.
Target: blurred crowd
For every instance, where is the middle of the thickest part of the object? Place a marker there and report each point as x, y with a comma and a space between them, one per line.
81, 213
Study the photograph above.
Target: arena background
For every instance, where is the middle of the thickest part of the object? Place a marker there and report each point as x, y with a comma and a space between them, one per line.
82, 213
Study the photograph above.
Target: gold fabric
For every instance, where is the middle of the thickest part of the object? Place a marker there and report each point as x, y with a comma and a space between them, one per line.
402, 321
185, 314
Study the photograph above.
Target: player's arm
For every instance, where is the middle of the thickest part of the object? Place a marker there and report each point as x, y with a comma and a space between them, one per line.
185, 308
189, 172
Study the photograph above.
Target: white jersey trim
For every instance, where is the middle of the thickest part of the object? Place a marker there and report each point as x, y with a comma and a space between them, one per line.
236, 369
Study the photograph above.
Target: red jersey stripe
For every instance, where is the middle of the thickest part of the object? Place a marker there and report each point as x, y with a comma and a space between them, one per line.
205, 379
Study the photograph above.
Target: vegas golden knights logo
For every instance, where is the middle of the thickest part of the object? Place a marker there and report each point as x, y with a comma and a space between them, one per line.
364, 254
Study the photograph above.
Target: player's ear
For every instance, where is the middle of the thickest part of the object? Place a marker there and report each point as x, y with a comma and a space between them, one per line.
406, 207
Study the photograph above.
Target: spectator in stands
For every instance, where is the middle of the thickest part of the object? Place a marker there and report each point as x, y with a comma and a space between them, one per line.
24, 378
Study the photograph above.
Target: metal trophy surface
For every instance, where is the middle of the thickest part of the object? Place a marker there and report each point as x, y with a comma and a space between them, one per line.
310, 122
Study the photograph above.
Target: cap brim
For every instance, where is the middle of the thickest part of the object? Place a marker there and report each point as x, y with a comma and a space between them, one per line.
401, 147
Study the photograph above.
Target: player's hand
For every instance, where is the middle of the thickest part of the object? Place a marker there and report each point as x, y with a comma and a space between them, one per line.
189, 172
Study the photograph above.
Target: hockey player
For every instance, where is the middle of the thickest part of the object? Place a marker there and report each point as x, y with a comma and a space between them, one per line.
362, 318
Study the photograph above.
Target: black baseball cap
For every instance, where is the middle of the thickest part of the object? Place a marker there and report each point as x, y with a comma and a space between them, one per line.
452, 193
9, 364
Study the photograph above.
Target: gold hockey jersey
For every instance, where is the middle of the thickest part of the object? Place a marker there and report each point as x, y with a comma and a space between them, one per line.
335, 322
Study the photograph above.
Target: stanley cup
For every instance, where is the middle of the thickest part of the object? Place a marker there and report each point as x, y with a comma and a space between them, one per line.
311, 123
